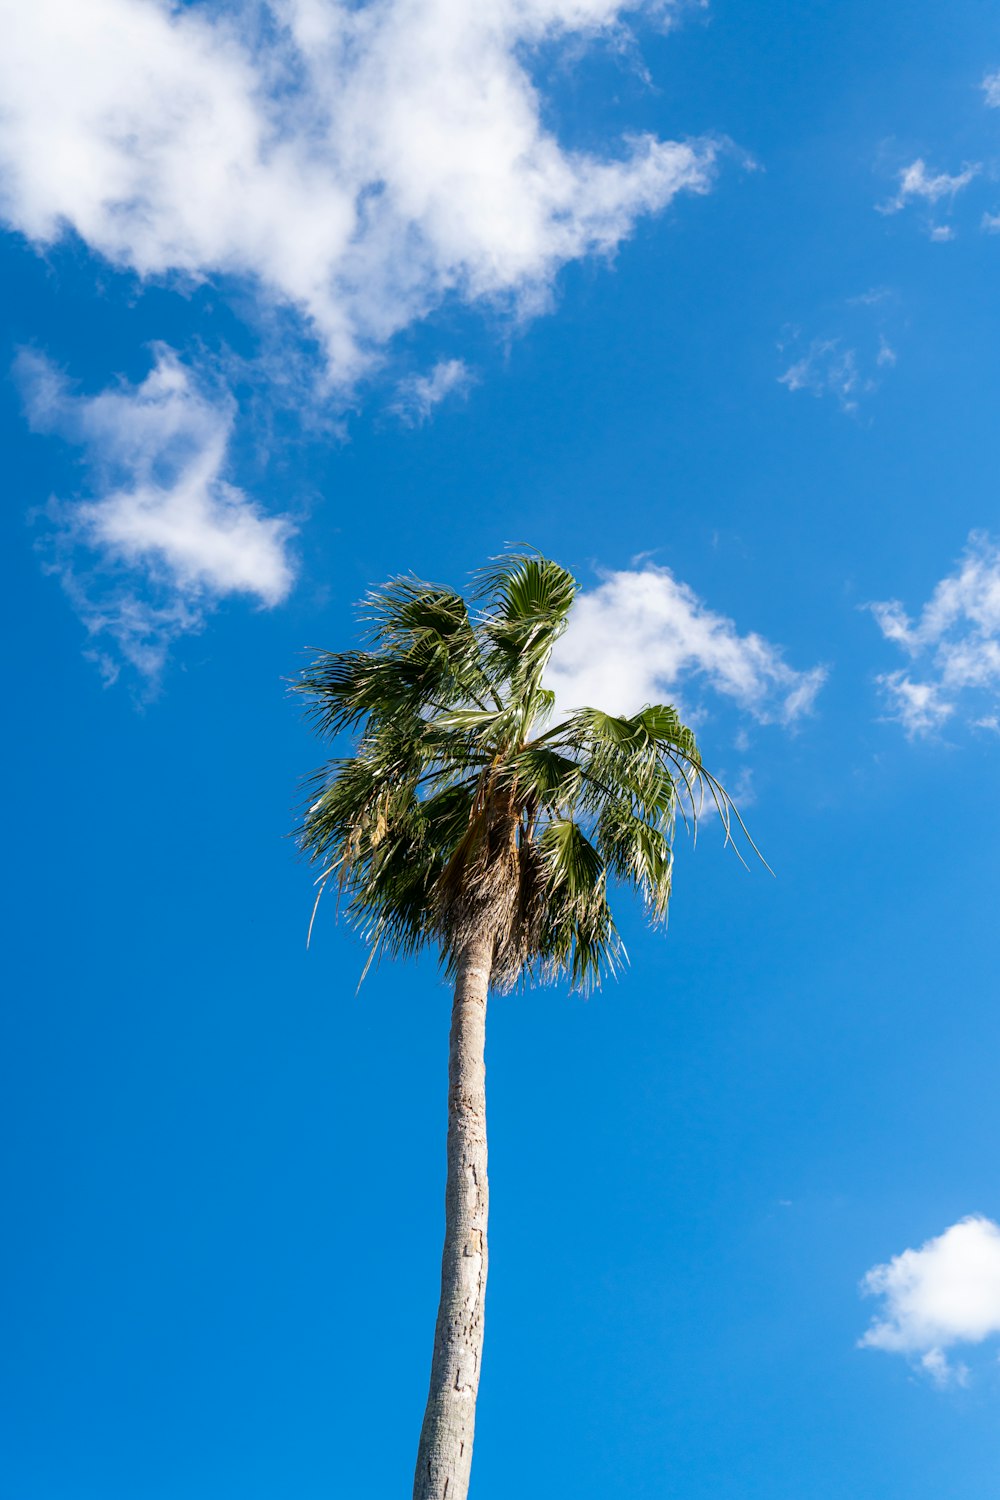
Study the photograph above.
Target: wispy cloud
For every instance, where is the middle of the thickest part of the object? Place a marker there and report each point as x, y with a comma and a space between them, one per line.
945, 1294
642, 636
875, 296
357, 164
167, 535
418, 395
850, 362
829, 369
954, 644
886, 356
919, 706
991, 89
916, 183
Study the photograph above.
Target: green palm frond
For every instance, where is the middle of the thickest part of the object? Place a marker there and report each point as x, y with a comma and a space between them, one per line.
460, 811
528, 600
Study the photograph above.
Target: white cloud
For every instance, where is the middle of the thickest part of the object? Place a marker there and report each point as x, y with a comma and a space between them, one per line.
991, 223
915, 182
991, 88
353, 167
886, 353
417, 396
919, 706
828, 369
642, 636
945, 1293
168, 535
849, 364
358, 163
874, 297
941, 233
956, 639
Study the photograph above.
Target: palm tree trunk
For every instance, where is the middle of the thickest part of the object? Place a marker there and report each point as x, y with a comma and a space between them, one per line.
444, 1457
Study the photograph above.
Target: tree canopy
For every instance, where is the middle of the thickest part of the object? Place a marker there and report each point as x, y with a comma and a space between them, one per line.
464, 809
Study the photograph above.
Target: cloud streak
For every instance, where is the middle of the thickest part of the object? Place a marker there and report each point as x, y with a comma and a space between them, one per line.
167, 536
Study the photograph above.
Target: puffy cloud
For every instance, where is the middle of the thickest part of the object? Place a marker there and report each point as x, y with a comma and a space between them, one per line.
944, 1294
642, 636
359, 163
956, 638
167, 535
417, 395
915, 182
353, 166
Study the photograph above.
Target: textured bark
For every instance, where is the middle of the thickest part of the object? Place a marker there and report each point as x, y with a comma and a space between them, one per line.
444, 1457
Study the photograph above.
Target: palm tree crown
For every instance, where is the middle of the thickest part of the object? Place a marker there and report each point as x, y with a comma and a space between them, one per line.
464, 811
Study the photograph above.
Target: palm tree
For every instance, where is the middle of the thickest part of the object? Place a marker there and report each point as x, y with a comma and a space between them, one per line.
465, 821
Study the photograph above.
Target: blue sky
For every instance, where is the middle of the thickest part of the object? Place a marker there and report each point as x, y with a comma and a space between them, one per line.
700, 301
